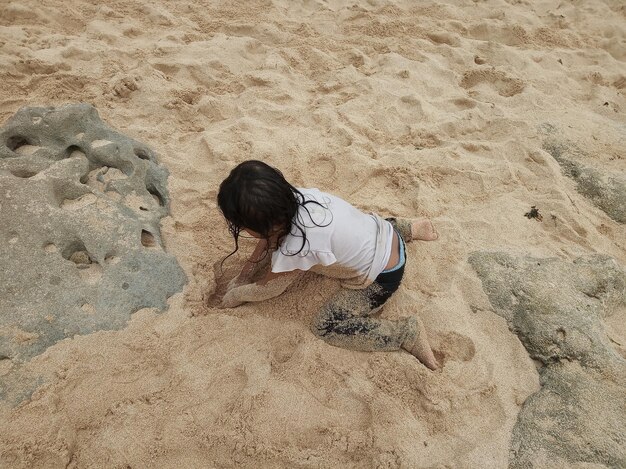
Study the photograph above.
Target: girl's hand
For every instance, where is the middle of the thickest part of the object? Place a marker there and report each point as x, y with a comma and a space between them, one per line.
229, 300
274, 286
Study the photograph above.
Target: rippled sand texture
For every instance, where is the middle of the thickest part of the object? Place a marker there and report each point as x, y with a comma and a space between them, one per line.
451, 110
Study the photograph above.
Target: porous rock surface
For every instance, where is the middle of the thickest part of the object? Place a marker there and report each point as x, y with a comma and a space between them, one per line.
80, 244
578, 417
607, 191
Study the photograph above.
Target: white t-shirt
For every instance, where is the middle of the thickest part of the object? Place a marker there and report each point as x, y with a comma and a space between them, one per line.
336, 233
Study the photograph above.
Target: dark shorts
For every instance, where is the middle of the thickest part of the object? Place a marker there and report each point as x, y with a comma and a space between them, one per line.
388, 281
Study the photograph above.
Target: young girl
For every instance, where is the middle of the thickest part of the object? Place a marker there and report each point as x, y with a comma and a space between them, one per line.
306, 229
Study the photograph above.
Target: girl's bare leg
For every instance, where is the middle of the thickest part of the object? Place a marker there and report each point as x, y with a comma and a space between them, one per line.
258, 261
346, 321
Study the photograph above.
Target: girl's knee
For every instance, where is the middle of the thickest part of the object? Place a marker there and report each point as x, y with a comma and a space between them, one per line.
320, 324
327, 319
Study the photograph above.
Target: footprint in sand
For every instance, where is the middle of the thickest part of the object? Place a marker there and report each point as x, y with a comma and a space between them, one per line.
283, 349
464, 103
123, 87
448, 38
503, 84
454, 347
39, 67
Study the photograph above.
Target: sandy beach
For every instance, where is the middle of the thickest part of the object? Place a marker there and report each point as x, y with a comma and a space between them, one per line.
460, 111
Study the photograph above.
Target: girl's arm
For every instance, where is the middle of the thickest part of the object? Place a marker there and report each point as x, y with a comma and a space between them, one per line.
253, 262
269, 276
272, 285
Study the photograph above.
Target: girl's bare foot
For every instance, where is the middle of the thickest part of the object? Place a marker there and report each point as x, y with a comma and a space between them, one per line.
423, 230
420, 348
424, 354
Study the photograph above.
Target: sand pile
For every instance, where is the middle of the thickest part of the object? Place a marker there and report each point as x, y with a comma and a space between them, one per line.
469, 113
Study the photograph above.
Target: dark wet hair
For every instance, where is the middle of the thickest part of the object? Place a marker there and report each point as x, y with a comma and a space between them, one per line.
257, 196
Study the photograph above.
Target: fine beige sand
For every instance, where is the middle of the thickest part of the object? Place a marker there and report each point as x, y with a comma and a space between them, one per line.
404, 108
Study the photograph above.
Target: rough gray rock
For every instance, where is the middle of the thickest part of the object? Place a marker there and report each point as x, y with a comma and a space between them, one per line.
80, 244
606, 191
578, 416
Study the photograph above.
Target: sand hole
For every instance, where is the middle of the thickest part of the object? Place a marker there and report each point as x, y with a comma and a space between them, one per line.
498, 80
148, 239
411, 100
156, 195
455, 347
158, 199
23, 173
143, 154
111, 173
560, 334
50, 247
5, 365
100, 143
26, 150
55, 280
125, 286
98, 178
471, 147
73, 151
479, 60
75, 247
444, 38
464, 103
80, 202
80, 258
17, 141
111, 259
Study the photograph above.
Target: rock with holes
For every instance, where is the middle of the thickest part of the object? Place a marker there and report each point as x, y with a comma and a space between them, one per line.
557, 310
80, 243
